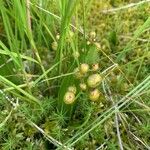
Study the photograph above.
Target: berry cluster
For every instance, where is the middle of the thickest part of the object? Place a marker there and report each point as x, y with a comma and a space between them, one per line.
89, 78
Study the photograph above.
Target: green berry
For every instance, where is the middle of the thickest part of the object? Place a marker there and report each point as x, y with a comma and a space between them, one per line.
94, 95
76, 54
72, 89
78, 74
84, 68
83, 86
94, 80
92, 35
95, 67
54, 46
69, 97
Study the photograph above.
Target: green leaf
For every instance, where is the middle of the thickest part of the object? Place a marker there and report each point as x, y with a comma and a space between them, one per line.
29, 97
92, 55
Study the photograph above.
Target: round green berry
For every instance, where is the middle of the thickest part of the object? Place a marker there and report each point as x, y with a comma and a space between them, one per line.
94, 80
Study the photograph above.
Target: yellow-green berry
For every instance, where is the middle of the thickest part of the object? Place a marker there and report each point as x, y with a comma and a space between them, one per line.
69, 97
94, 80
76, 54
83, 86
95, 67
88, 42
57, 36
92, 35
84, 68
94, 95
78, 74
72, 89
71, 34
54, 45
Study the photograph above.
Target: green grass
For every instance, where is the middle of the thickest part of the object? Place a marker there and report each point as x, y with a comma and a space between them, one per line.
38, 60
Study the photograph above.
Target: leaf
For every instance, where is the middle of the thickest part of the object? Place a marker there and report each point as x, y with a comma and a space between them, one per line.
29, 97
113, 38
92, 55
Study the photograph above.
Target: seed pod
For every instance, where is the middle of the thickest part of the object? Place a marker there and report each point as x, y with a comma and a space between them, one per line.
94, 95
95, 67
69, 97
72, 89
94, 80
84, 68
54, 46
83, 86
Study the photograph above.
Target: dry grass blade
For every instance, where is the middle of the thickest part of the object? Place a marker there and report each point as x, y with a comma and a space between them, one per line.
125, 7
109, 96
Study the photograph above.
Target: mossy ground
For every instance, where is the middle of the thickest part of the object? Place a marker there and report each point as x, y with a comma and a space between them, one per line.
122, 41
